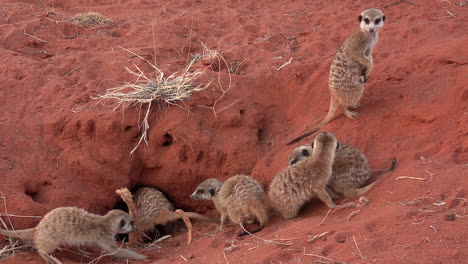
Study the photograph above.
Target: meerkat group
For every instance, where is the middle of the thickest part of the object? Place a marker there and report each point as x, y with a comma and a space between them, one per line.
326, 169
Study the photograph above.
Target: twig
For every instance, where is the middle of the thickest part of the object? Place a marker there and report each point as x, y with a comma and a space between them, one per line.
224, 254
183, 258
317, 236
409, 177
291, 240
285, 64
72, 71
135, 238
398, 2
352, 214
359, 251
325, 217
187, 223
34, 37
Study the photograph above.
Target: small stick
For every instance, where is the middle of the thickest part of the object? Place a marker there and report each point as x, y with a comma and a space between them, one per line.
352, 214
285, 64
188, 223
134, 238
72, 71
318, 256
34, 37
398, 2
317, 236
409, 177
183, 258
325, 217
359, 251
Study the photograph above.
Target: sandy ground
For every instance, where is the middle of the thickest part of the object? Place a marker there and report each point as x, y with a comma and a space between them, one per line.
60, 147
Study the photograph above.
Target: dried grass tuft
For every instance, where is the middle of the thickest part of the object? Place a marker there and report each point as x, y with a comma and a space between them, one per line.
161, 90
91, 19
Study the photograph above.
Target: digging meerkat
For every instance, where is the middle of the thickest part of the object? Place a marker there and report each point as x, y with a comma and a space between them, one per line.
351, 68
72, 226
240, 198
298, 184
350, 170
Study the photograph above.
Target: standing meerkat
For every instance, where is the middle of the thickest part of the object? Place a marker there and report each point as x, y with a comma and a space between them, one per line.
350, 170
75, 227
240, 198
153, 209
298, 184
351, 68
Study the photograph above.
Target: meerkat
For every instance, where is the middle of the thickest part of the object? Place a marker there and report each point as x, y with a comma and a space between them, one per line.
298, 184
153, 209
350, 170
351, 68
240, 198
72, 226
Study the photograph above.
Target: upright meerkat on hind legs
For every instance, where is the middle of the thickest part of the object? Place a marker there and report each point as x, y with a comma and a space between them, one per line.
351, 68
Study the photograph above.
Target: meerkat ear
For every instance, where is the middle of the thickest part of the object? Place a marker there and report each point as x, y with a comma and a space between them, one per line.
305, 152
212, 192
312, 145
383, 18
337, 145
360, 18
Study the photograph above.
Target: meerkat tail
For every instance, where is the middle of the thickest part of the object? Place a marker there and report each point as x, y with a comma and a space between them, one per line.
331, 113
25, 234
261, 216
380, 171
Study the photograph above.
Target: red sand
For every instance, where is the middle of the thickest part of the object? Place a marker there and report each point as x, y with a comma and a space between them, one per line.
60, 148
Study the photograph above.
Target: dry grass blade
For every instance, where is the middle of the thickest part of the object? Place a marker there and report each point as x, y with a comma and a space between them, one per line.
91, 19
318, 236
289, 241
161, 90
135, 238
188, 223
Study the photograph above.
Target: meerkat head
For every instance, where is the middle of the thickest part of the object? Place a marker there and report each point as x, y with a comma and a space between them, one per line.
120, 222
325, 140
299, 154
207, 189
372, 20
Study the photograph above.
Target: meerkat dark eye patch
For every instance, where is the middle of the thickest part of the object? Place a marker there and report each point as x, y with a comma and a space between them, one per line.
377, 21
367, 21
200, 191
212, 192
360, 18
305, 152
383, 18
293, 162
122, 223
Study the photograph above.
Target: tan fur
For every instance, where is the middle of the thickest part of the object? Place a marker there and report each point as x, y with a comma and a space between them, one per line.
298, 184
351, 67
240, 198
153, 209
350, 170
75, 227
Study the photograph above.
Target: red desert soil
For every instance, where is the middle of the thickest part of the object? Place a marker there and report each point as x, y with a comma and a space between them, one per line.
60, 147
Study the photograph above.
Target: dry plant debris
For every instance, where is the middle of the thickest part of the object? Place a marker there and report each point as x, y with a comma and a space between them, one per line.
160, 90
135, 238
91, 19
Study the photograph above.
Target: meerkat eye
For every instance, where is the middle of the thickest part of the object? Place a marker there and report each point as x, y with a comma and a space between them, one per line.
305, 152
367, 21
377, 21
212, 192
122, 223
